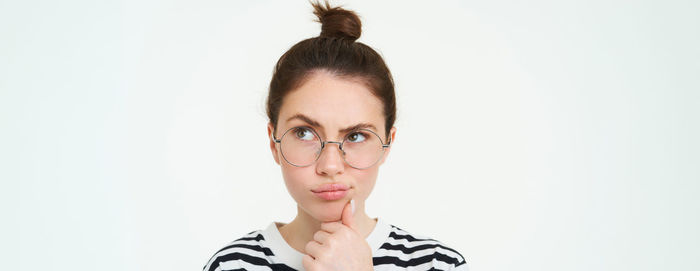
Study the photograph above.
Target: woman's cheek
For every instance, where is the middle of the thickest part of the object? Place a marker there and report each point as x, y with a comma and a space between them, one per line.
294, 180
365, 180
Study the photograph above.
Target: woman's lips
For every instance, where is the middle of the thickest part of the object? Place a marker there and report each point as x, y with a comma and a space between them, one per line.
333, 191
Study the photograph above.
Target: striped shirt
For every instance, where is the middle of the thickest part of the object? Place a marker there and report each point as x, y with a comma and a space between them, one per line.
392, 249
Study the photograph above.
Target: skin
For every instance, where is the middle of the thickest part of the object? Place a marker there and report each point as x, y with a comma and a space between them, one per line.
330, 233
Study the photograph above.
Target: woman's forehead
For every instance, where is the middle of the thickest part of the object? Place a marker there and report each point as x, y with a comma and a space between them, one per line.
332, 103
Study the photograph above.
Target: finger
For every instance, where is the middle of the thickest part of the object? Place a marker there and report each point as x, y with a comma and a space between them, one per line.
321, 237
308, 262
348, 217
313, 249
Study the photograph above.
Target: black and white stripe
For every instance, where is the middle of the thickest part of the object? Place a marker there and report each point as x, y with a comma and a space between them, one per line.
400, 251
246, 253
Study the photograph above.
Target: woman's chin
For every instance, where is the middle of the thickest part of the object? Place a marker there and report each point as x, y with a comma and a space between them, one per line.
327, 214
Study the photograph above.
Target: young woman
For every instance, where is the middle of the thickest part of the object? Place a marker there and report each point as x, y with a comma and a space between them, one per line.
332, 108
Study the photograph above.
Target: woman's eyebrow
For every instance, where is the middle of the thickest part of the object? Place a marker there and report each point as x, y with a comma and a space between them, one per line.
357, 127
306, 119
315, 123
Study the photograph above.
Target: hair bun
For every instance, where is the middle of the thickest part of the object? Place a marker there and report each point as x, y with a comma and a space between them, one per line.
337, 22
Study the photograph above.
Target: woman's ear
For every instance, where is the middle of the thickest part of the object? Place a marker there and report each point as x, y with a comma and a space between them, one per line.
273, 144
392, 137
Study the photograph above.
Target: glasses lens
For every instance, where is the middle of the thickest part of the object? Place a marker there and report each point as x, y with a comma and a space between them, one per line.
362, 149
300, 146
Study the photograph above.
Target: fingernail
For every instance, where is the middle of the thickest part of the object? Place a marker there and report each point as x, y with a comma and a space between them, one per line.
352, 205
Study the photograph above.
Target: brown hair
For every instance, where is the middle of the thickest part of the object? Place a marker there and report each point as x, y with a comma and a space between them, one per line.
335, 51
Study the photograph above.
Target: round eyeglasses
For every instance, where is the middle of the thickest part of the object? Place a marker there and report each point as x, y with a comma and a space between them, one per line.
301, 146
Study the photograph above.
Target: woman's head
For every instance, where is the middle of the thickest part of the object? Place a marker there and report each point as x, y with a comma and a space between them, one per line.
334, 51
331, 88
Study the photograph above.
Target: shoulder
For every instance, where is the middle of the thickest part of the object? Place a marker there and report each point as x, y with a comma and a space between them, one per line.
407, 250
249, 249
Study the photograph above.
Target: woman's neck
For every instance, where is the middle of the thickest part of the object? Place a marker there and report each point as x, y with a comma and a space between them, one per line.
302, 229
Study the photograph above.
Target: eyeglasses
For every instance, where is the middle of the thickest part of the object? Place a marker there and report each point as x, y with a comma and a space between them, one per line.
301, 146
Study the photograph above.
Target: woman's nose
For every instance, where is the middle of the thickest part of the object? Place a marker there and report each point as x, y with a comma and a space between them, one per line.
331, 161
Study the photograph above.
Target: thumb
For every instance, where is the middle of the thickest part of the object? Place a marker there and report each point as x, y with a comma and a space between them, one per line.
348, 218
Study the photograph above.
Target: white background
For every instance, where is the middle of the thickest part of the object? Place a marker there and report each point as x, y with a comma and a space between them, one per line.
532, 135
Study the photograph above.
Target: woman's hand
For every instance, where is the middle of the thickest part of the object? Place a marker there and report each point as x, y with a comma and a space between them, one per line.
338, 246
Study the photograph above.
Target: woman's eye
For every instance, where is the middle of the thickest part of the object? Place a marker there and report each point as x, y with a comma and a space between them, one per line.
356, 137
304, 134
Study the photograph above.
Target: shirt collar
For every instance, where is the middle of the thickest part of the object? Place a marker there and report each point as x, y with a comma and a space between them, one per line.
287, 255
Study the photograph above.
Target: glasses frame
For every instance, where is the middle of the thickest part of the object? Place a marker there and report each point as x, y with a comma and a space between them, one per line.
324, 142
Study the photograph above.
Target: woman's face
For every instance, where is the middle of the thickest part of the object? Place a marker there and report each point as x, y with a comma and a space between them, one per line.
329, 104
